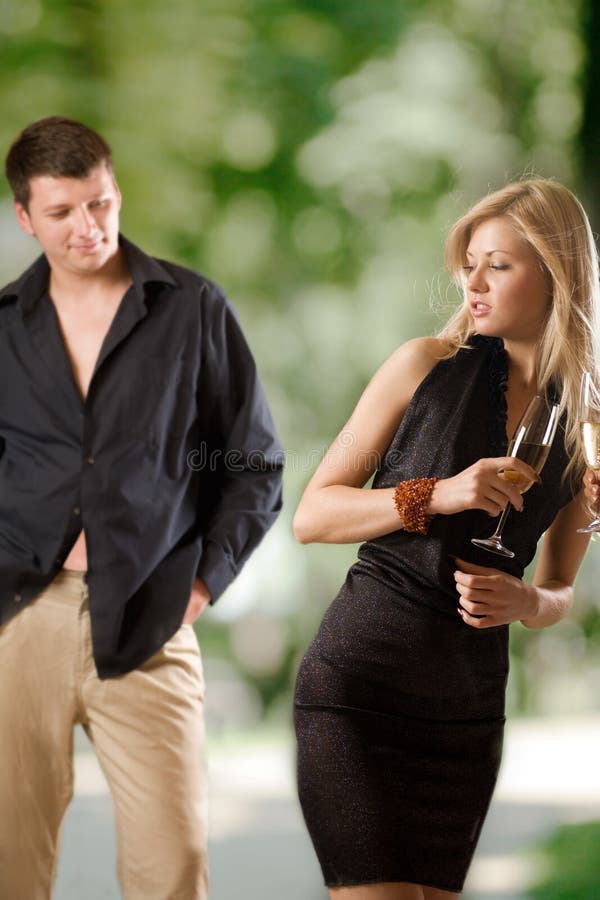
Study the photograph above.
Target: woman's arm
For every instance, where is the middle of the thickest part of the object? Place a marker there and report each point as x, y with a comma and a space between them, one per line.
336, 508
562, 552
490, 597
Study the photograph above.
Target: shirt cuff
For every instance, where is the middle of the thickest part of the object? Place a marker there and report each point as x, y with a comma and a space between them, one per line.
216, 569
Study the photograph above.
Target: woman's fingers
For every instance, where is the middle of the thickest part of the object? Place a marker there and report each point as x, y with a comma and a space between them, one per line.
475, 621
592, 488
489, 597
509, 478
504, 494
484, 485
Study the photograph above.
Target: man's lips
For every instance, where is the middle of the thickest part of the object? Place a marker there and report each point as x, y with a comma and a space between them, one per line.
90, 245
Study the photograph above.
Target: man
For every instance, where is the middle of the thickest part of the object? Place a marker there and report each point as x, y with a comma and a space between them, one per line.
117, 372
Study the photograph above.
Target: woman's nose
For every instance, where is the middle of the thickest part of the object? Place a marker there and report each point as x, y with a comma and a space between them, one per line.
476, 280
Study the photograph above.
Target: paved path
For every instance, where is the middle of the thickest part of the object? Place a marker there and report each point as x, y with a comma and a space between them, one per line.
260, 851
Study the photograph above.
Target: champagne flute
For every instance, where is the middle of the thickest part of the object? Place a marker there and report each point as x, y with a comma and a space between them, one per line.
531, 442
589, 423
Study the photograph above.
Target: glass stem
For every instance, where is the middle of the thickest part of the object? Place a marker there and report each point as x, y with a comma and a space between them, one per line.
501, 521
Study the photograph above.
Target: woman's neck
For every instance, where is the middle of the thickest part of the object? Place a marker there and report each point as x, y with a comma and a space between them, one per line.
522, 382
522, 366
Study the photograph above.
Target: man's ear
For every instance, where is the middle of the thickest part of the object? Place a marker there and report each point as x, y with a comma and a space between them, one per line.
23, 218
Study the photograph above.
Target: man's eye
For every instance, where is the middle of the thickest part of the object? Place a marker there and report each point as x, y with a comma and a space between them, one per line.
96, 204
60, 214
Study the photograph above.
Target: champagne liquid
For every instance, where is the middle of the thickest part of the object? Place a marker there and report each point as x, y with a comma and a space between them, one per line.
535, 455
590, 433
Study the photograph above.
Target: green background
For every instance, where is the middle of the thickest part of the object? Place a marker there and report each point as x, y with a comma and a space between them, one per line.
310, 156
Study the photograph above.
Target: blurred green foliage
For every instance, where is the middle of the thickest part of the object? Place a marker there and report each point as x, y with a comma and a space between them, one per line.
309, 155
571, 864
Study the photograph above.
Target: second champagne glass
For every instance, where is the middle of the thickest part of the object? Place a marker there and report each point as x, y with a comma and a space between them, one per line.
531, 443
589, 423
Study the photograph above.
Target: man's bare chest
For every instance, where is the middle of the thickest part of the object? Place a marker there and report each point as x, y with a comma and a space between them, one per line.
83, 334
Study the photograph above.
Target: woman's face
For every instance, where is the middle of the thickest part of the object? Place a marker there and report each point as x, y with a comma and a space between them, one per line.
507, 291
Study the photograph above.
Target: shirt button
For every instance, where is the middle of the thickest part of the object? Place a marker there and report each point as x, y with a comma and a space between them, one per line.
91, 460
18, 598
76, 510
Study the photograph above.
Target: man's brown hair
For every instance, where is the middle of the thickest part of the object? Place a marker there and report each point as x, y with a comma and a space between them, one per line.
53, 146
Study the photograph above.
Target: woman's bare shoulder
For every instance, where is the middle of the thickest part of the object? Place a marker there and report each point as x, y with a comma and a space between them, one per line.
418, 356
394, 384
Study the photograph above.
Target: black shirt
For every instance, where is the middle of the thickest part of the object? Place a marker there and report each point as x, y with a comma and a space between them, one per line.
171, 465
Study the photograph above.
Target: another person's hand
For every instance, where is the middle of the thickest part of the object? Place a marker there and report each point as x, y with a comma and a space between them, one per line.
591, 487
489, 597
481, 487
199, 600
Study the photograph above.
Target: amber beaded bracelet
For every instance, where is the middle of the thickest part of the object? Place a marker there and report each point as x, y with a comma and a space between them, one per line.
411, 498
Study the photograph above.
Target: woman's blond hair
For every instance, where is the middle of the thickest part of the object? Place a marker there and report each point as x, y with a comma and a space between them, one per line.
554, 224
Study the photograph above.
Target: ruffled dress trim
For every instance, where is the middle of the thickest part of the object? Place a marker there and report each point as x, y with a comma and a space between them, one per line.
498, 383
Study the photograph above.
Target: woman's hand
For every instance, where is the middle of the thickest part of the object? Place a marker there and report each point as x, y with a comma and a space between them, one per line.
481, 487
591, 487
490, 597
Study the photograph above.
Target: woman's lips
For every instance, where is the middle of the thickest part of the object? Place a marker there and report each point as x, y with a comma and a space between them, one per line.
479, 309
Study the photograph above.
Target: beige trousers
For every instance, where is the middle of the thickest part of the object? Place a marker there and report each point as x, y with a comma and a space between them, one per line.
148, 732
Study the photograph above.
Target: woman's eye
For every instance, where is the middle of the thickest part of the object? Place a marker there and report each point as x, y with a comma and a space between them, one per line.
468, 268
500, 267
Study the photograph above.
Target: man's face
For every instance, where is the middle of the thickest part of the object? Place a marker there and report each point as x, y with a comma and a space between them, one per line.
76, 220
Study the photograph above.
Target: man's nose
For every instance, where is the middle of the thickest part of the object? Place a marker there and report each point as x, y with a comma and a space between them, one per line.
85, 223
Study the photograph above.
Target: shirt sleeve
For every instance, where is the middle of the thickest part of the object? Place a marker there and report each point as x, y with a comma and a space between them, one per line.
244, 457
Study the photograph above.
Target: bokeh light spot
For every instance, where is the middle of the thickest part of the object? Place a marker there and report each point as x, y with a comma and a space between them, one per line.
17, 16
249, 141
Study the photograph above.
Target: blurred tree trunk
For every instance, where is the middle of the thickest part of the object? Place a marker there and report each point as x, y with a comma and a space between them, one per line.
590, 130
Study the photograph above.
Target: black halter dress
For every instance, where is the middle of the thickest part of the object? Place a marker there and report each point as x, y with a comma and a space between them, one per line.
399, 705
